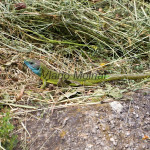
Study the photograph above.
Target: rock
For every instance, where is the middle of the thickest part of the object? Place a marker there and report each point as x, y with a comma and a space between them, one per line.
116, 106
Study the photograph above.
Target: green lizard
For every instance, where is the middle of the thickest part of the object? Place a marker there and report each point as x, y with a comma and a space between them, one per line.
61, 79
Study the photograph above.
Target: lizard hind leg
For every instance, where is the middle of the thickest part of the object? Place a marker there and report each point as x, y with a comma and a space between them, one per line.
63, 83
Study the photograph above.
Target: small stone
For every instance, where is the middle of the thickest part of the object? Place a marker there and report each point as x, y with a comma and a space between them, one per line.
89, 146
127, 133
126, 146
47, 121
116, 106
94, 130
113, 141
137, 116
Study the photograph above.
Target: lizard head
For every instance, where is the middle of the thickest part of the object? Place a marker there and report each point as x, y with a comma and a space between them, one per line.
34, 65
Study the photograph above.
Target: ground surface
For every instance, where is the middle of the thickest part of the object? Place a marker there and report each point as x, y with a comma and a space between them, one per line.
92, 127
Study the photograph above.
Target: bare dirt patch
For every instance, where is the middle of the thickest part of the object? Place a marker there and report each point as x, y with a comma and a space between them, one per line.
92, 127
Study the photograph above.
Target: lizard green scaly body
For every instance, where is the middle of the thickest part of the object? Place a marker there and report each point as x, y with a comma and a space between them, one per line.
63, 79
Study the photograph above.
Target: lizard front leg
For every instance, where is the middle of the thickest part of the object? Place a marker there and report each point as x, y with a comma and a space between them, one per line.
44, 84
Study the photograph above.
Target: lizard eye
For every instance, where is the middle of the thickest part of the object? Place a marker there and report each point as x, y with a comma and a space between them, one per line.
31, 63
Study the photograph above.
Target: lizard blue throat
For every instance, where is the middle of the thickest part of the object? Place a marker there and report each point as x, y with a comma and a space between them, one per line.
34, 66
